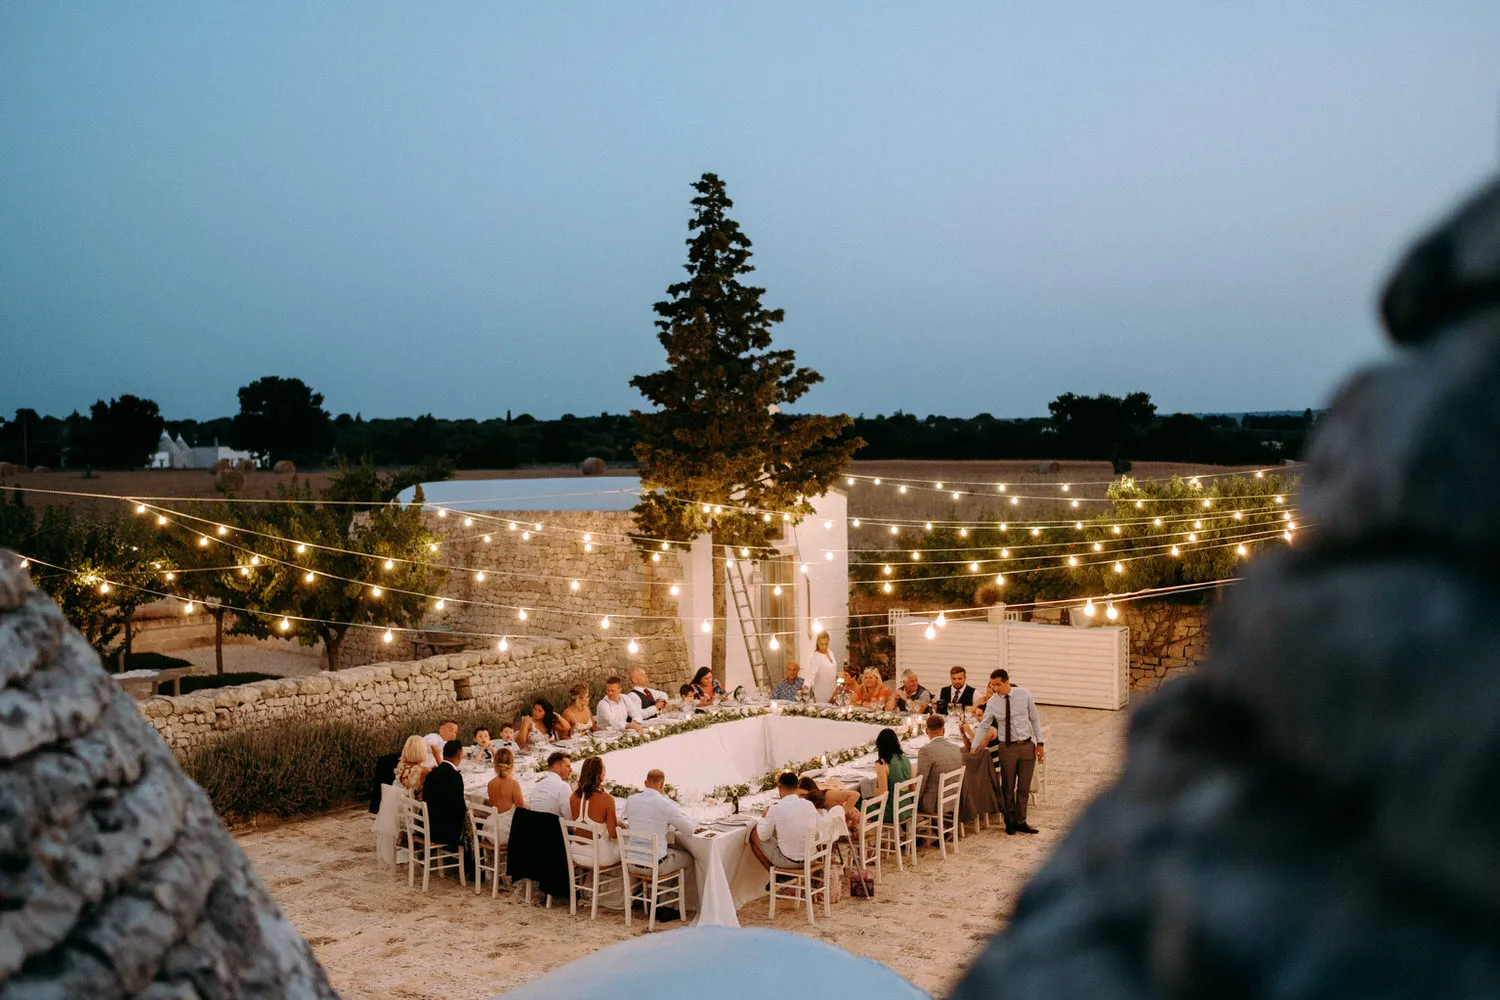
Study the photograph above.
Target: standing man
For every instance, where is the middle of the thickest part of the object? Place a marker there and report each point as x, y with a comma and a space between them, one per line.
615, 711
649, 701
957, 692
1013, 715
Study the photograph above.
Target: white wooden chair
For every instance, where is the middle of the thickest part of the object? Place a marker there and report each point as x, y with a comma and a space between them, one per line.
489, 853
901, 834
867, 837
943, 824
1039, 783
641, 856
390, 824
433, 857
812, 879
583, 839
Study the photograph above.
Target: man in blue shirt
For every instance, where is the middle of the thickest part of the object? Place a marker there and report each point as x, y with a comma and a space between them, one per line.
1012, 715
789, 689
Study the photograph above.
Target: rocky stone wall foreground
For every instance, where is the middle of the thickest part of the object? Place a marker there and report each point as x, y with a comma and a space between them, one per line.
1315, 812
116, 877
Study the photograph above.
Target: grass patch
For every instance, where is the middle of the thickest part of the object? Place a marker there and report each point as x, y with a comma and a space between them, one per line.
200, 682
308, 768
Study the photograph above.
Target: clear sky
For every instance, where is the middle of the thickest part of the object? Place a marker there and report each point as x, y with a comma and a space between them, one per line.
467, 208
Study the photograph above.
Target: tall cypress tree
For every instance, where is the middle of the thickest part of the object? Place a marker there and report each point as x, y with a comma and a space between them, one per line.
719, 437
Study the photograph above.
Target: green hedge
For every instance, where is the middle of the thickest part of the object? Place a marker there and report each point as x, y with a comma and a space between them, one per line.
306, 768
201, 682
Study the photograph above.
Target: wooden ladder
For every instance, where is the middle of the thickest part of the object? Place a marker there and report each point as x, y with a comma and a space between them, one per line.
744, 609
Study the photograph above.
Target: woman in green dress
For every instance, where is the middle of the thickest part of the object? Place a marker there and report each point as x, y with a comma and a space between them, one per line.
891, 768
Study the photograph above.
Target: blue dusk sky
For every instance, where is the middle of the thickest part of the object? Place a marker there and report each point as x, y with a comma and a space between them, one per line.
464, 208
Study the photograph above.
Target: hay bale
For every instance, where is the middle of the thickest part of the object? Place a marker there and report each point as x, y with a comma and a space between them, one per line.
10, 469
222, 465
41, 468
285, 468
592, 466
245, 465
229, 480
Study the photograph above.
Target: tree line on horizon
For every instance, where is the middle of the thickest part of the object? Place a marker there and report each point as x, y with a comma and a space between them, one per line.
282, 418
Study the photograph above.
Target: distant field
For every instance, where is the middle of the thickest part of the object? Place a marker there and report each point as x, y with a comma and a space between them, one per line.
922, 501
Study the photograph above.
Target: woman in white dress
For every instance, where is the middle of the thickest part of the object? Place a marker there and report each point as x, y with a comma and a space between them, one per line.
821, 669
593, 803
505, 795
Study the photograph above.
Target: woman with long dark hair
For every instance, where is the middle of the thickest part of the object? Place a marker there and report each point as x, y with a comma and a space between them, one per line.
891, 768
591, 802
543, 725
706, 687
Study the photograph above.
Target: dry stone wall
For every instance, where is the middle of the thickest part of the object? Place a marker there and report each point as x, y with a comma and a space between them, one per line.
487, 680
536, 573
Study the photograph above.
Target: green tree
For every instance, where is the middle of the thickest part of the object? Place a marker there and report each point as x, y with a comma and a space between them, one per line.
123, 433
718, 436
282, 418
1101, 426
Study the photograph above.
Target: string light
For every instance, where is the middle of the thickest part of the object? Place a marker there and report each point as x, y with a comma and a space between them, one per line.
170, 576
1000, 579
930, 632
440, 605
187, 608
1119, 567
525, 536
1110, 611
674, 590
604, 622
223, 530
513, 526
776, 590
656, 557
817, 626
301, 549
104, 587
1088, 607
442, 512
389, 564
941, 621
887, 588
161, 519
634, 647
1240, 550
140, 508
856, 522
479, 578
503, 644
573, 585
973, 567
374, 591
285, 624
389, 635
309, 577
202, 541
1072, 560
521, 614
1175, 551
707, 626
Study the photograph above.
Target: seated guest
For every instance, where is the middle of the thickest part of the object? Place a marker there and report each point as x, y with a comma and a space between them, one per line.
891, 768
872, 693
911, 696
550, 795
706, 687
650, 701
447, 812
593, 803
615, 711
504, 793
543, 725
790, 688
415, 762
845, 685
687, 701
445, 732
508, 738
483, 748
936, 759
651, 812
779, 839
580, 719
825, 797
957, 693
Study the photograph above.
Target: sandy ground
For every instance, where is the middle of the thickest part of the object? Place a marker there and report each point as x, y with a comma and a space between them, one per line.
379, 939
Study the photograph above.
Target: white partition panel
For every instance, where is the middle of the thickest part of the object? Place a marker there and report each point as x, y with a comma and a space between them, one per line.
1059, 665
977, 646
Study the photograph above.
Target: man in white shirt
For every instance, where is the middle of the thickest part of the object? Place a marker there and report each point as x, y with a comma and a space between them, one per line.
550, 795
651, 812
1011, 714
780, 838
615, 711
445, 732
648, 701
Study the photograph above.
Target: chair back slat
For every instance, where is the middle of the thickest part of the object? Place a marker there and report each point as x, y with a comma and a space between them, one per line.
640, 851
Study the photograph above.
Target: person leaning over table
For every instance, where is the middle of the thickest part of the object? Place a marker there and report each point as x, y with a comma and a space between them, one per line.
790, 687
550, 794
593, 803
650, 701
825, 797
652, 812
872, 692
911, 696
615, 711
415, 762
936, 759
576, 713
1012, 713
891, 768
779, 839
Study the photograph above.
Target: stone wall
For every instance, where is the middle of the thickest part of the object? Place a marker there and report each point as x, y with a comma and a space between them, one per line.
535, 573
490, 680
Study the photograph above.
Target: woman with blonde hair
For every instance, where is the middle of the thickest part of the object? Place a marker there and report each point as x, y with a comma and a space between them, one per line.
504, 794
580, 717
873, 693
412, 769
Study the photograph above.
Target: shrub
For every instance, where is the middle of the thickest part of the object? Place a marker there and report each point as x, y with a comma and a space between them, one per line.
144, 661
309, 767
200, 682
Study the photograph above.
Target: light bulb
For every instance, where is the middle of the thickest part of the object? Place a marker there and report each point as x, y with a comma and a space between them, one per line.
828, 556
389, 635
255, 560
432, 547
1036, 532
521, 614
525, 536
937, 486
848, 480
1240, 550
140, 508
963, 532
1119, 567
390, 564
856, 522
886, 569
728, 563
1115, 529
161, 519
718, 509
187, 608
442, 512
1260, 475
1088, 608
666, 546
502, 645
1197, 525
942, 620
301, 549
1077, 525
955, 494
776, 590
901, 490
223, 530
1175, 551
1207, 502
633, 647
1194, 481
1066, 487
877, 480
1014, 501
468, 522
170, 576
744, 552
1286, 515
1238, 516
1192, 536
1291, 525
973, 567
707, 626
374, 591
656, 557
803, 568
1073, 503
588, 546
1098, 546
512, 526
203, 541
895, 530
1287, 535
827, 524
104, 587
573, 585
817, 626
775, 644
1072, 560
441, 604
479, 577
1005, 553
766, 518
286, 623
1000, 579
930, 632
915, 555
1156, 522
674, 590
588, 536
887, 587
1140, 505
928, 525
707, 509
1002, 487
1281, 499
1110, 611
604, 622
244, 571
308, 577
